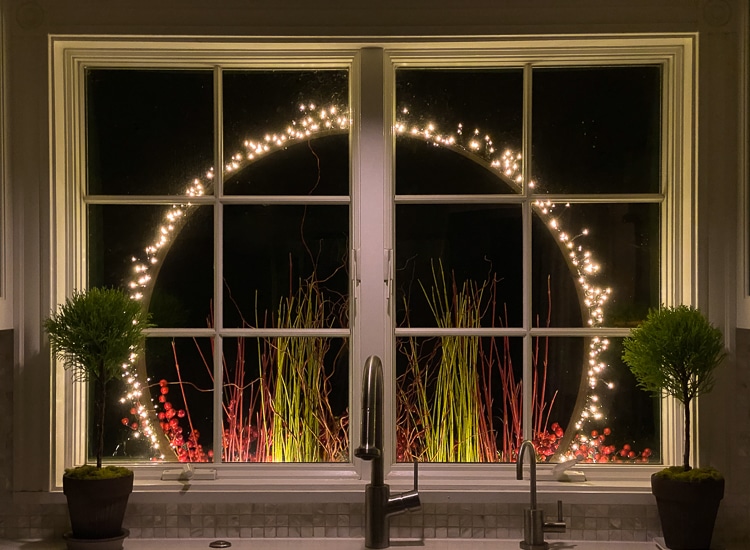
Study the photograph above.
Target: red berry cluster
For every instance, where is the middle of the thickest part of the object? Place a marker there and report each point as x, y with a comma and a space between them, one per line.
596, 449
547, 442
188, 449
134, 424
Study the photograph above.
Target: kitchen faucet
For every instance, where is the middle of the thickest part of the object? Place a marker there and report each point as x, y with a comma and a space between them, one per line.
534, 525
380, 505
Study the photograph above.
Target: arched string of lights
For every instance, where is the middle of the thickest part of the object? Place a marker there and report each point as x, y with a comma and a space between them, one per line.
313, 122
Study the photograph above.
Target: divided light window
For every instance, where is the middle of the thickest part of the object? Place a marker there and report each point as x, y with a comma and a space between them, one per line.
522, 214
519, 238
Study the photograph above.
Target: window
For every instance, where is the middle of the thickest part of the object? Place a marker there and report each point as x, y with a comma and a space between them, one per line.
492, 233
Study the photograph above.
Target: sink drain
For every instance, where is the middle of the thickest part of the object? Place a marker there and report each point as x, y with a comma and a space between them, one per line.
219, 544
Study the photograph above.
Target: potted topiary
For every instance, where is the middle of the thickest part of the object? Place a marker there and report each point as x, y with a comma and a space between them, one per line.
93, 334
674, 352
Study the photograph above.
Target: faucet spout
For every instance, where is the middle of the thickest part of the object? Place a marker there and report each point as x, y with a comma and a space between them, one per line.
534, 525
527, 447
379, 503
371, 440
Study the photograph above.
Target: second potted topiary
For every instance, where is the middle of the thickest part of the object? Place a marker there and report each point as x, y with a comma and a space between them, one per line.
674, 352
93, 334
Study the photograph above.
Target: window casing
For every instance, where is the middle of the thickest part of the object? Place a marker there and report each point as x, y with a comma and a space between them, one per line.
372, 73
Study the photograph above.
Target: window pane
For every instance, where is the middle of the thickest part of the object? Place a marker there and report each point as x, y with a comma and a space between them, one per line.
459, 399
610, 258
181, 383
286, 266
466, 251
597, 130
286, 399
162, 409
471, 105
110, 248
259, 108
317, 166
177, 287
124, 427
446, 385
607, 418
423, 169
147, 131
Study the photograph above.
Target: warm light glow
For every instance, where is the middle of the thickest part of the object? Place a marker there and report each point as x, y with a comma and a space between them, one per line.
312, 121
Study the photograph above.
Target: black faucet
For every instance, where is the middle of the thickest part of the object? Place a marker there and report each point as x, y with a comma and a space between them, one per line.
380, 505
534, 525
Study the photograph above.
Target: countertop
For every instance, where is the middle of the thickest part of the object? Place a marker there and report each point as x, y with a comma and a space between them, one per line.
338, 544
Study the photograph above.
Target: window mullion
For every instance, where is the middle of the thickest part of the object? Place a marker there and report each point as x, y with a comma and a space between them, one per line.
218, 320
527, 215
369, 192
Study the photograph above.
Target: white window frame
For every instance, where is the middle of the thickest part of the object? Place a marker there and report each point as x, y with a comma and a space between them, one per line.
372, 63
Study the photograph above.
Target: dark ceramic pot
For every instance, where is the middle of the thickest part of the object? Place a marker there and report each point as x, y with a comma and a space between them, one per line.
687, 511
97, 506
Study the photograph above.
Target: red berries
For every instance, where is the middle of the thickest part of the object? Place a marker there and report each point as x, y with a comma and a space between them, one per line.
187, 449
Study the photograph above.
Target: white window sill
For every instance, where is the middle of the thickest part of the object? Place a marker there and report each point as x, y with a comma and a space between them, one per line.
343, 484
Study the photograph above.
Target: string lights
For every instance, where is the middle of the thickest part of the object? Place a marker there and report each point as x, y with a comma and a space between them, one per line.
314, 121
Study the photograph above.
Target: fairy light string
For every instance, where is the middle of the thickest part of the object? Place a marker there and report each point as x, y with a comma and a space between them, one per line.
312, 122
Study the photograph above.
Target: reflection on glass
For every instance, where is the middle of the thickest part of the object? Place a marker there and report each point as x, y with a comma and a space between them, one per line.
285, 399
597, 129
140, 138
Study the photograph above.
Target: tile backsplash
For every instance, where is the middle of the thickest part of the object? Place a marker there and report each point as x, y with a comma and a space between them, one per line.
602, 522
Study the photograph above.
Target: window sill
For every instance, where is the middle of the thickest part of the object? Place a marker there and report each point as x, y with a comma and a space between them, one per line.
589, 492
342, 483
291, 490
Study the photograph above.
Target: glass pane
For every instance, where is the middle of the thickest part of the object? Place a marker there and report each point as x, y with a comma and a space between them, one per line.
423, 169
467, 253
458, 399
472, 111
597, 130
286, 266
595, 264
181, 382
162, 409
294, 119
607, 418
124, 428
110, 248
148, 131
177, 285
286, 399
175, 278
319, 166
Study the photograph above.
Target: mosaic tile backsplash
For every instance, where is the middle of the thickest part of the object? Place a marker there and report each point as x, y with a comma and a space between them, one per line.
503, 521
